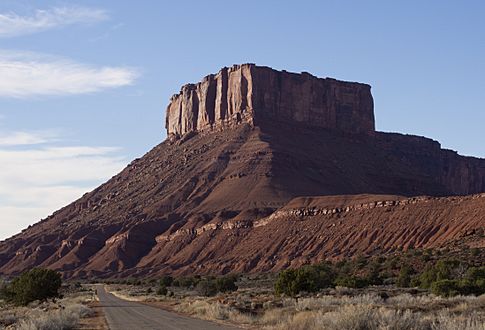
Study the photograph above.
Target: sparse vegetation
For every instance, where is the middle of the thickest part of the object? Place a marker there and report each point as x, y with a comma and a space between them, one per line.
186, 282
65, 313
66, 318
308, 279
162, 290
166, 280
36, 284
447, 277
404, 278
400, 291
352, 312
211, 286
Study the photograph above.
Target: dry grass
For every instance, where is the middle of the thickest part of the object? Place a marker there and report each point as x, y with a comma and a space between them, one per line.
366, 317
63, 314
340, 308
362, 312
214, 311
61, 319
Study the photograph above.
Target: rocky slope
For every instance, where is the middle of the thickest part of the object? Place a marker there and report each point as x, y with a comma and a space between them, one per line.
227, 195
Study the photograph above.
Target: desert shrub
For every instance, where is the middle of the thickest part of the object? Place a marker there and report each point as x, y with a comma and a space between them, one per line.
308, 279
351, 281
36, 284
344, 266
445, 269
392, 263
476, 273
426, 257
450, 288
162, 290
404, 278
287, 283
374, 277
450, 277
226, 283
185, 282
210, 285
474, 282
360, 262
446, 288
3, 290
442, 270
166, 280
207, 287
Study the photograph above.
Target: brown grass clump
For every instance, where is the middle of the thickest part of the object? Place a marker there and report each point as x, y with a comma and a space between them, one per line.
62, 319
63, 314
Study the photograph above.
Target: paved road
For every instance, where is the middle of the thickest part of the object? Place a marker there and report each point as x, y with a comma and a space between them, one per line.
128, 315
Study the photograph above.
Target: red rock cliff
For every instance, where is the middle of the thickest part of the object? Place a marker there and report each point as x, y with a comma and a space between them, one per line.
252, 94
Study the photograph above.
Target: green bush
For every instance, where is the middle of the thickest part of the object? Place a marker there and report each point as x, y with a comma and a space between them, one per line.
476, 276
308, 279
446, 288
3, 291
373, 277
211, 286
473, 283
166, 280
207, 287
162, 290
226, 283
185, 282
476, 273
404, 278
442, 270
287, 283
351, 282
36, 284
392, 263
360, 262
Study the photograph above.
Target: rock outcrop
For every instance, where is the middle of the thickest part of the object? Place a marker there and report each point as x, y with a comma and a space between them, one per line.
253, 94
288, 170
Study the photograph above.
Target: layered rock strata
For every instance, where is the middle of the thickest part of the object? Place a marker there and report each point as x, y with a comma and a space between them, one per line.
254, 192
254, 94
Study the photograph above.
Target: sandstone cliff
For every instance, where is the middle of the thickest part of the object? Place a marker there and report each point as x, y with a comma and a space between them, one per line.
254, 94
230, 199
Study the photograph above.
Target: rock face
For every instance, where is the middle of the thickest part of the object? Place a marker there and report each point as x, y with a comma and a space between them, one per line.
231, 198
254, 94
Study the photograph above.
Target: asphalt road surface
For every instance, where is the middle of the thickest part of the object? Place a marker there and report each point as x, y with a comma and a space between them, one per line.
123, 314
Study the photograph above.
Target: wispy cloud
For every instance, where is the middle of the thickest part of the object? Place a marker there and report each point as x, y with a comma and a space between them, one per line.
13, 24
25, 138
25, 74
38, 179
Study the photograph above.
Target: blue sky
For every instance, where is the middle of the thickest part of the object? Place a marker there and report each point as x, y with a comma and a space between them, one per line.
84, 85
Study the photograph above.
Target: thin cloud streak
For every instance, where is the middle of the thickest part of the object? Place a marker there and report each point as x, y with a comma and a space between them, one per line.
12, 24
24, 75
21, 138
37, 178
